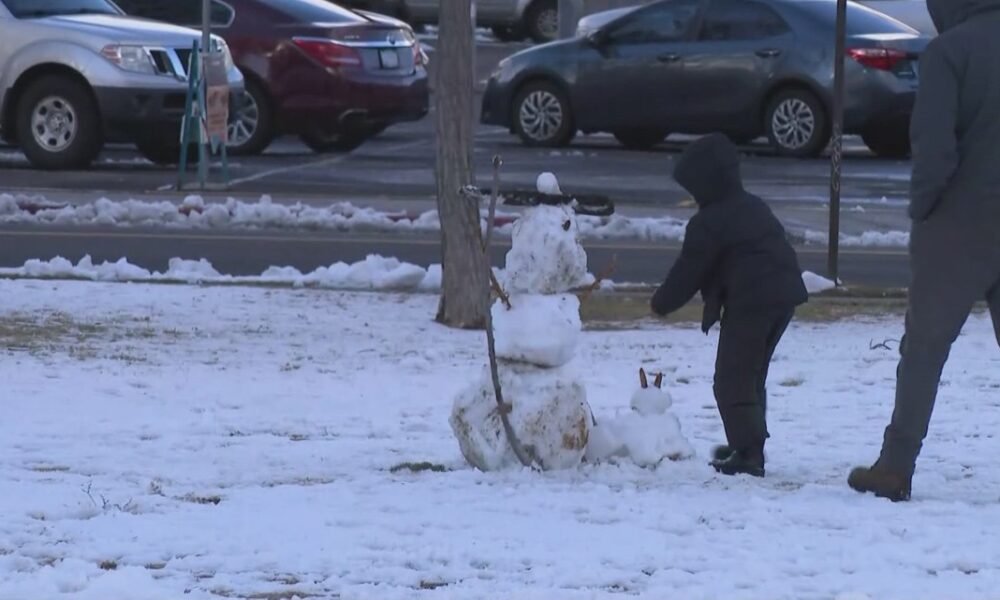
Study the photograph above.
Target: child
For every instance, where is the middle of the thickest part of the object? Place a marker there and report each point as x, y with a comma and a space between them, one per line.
736, 254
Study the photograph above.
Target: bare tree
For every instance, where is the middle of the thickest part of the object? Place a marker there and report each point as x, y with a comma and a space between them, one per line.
464, 287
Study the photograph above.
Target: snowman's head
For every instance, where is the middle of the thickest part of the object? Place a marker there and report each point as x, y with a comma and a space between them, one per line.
651, 400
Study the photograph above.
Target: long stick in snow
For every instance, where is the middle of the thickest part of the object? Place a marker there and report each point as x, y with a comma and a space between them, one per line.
522, 454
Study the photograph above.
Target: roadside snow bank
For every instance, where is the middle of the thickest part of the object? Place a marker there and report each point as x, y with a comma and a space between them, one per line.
374, 273
868, 239
195, 213
816, 284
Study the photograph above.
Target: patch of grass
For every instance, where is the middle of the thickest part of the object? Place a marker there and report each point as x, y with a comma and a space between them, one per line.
299, 482
433, 585
31, 332
624, 310
50, 469
108, 565
44, 333
419, 467
792, 382
196, 499
281, 595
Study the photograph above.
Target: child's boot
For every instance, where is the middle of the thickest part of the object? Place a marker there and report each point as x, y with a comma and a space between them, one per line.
748, 462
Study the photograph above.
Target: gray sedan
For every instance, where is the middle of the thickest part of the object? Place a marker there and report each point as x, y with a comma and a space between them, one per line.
743, 67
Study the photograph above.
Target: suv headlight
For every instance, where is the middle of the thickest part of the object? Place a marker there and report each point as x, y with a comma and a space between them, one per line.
223, 47
130, 58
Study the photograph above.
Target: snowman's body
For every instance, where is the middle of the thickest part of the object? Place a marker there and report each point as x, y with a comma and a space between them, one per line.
536, 341
646, 435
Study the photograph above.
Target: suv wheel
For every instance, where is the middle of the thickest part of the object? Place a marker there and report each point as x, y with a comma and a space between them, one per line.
58, 124
508, 33
542, 116
640, 139
541, 21
796, 124
888, 142
251, 127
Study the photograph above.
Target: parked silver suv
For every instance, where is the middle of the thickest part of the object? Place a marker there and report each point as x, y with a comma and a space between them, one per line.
75, 74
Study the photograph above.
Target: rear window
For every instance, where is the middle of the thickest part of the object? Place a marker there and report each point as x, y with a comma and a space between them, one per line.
313, 11
860, 20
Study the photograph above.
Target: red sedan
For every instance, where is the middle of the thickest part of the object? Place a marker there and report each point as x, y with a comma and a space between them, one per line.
332, 76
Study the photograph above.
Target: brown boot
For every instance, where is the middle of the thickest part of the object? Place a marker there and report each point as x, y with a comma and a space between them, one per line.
882, 482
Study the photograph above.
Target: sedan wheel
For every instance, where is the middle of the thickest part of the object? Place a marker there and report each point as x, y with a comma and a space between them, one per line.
796, 124
542, 116
250, 129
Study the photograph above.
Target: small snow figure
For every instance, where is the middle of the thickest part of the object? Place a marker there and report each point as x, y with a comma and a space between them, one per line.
646, 435
536, 341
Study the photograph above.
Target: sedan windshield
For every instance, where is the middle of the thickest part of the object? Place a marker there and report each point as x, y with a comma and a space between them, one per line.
33, 9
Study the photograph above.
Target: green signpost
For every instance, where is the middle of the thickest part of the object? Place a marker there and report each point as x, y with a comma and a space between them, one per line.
206, 109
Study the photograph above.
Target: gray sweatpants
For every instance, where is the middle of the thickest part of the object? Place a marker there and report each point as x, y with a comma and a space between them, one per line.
955, 261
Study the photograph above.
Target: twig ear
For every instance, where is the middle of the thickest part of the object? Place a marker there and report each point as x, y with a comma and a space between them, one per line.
642, 378
658, 382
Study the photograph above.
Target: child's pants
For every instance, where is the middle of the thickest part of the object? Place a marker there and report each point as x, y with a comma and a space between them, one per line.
746, 345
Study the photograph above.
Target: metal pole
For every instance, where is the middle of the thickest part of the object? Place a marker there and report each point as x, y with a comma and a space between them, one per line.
836, 155
570, 12
206, 25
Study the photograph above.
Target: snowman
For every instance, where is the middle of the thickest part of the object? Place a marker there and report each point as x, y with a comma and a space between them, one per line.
646, 435
536, 341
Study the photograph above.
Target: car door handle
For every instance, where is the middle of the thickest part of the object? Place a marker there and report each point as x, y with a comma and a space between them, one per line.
768, 53
669, 57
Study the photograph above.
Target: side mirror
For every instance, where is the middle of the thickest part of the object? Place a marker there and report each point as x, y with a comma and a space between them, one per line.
596, 38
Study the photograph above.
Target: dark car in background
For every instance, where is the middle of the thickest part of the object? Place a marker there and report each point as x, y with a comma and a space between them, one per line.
743, 67
332, 76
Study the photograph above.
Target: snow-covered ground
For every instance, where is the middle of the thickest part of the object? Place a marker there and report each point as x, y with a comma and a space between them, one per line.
165, 442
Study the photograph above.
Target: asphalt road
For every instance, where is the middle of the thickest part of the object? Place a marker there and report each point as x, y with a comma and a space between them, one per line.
250, 253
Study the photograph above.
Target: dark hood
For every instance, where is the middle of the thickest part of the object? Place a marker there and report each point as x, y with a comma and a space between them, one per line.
951, 13
709, 169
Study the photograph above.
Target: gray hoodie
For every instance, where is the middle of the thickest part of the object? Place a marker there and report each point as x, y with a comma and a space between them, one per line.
955, 129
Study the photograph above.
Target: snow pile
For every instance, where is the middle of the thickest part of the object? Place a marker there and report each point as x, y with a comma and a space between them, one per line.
816, 284
546, 256
868, 239
373, 273
537, 329
536, 339
646, 435
194, 213
618, 227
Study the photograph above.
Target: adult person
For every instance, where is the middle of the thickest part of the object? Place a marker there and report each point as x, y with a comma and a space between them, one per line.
955, 209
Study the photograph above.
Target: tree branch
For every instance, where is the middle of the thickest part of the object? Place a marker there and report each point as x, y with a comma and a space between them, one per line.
523, 455
606, 272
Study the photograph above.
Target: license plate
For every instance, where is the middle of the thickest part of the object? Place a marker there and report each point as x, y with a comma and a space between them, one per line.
389, 59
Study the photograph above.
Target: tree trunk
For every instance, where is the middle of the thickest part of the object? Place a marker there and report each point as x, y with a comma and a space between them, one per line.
464, 286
